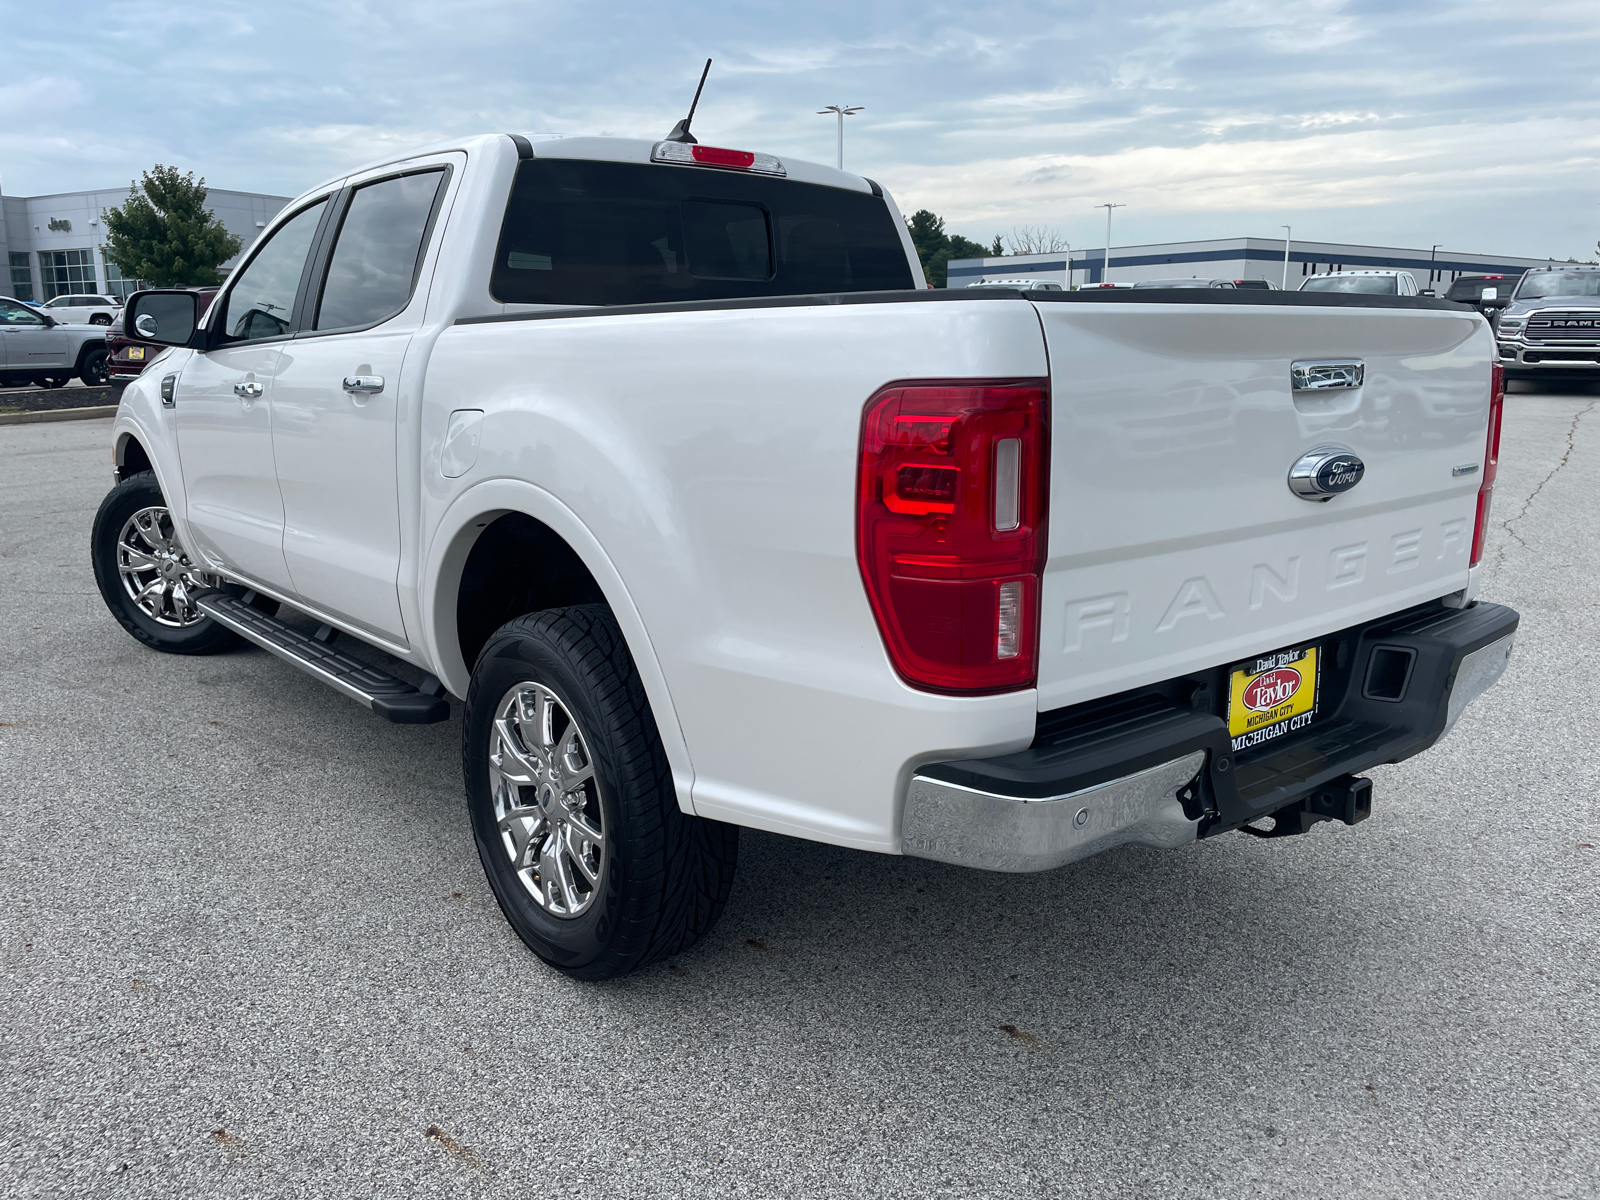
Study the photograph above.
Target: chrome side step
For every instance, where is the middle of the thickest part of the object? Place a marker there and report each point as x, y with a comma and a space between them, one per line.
385, 695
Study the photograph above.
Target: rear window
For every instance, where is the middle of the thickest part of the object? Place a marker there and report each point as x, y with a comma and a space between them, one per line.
1365, 285
623, 233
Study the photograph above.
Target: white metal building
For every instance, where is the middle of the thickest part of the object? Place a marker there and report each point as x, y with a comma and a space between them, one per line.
55, 245
1236, 258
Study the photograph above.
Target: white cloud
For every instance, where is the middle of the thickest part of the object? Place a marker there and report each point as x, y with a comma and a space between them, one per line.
1436, 118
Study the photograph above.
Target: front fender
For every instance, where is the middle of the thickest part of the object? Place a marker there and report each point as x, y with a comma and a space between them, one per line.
140, 417
452, 541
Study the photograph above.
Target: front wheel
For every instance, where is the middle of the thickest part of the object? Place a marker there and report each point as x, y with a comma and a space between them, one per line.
573, 807
144, 575
93, 369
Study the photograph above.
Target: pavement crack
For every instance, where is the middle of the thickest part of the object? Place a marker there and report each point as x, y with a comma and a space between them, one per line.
1566, 455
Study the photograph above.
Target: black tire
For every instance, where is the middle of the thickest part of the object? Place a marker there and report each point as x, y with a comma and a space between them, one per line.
93, 367
99, 318
665, 875
205, 636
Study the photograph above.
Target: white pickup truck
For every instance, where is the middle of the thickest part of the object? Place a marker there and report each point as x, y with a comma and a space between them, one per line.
661, 460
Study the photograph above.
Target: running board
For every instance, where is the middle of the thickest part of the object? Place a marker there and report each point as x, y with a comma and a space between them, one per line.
385, 695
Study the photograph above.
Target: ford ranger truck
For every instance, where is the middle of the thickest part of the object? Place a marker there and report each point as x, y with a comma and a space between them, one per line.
659, 460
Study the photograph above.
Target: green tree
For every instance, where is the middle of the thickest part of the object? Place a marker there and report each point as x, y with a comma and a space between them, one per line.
936, 248
165, 235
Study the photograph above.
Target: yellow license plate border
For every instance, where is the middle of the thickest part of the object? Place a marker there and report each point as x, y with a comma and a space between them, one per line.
135, 353
1298, 711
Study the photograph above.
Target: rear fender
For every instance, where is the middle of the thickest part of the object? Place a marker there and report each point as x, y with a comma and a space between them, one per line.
447, 553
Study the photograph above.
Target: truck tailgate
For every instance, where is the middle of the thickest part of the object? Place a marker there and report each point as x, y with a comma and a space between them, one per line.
1174, 541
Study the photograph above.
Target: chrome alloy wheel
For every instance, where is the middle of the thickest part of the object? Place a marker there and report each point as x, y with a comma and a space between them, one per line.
157, 573
547, 800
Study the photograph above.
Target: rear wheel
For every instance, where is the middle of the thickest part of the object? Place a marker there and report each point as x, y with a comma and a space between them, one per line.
147, 579
573, 807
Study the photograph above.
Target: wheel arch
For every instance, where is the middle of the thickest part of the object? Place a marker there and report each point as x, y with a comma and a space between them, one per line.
517, 511
130, 456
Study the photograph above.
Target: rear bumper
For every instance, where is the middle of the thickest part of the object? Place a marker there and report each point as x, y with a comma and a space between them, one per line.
1157, 767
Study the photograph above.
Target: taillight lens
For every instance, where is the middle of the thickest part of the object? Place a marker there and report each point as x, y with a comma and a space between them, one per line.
950, 529
1491, 461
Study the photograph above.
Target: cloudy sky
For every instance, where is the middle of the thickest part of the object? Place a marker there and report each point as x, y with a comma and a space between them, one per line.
1471, 123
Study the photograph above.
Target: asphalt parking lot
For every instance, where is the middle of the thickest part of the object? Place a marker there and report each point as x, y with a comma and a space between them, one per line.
248, 949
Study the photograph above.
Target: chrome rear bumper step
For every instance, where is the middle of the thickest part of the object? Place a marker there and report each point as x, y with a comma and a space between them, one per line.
389, 697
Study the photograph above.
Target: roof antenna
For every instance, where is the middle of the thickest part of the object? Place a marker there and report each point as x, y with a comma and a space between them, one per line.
680, 131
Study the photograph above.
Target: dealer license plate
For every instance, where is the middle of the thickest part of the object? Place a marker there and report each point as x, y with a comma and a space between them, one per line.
135, 351
1271, 696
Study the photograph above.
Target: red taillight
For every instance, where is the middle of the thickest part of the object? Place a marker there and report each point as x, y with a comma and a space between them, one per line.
950, 529
1491, 461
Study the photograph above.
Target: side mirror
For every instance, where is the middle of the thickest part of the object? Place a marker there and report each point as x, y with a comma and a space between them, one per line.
167, 318
1495, 301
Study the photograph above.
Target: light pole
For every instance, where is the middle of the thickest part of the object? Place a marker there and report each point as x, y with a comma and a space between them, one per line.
1286, 232
1432, 256
1106, 270
843, 111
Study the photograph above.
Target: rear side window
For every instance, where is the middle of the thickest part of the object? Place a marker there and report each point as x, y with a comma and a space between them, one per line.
379, 248
623, 233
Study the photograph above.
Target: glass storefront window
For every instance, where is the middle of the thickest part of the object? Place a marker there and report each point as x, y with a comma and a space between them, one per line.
66, 272
21, 276
117, 286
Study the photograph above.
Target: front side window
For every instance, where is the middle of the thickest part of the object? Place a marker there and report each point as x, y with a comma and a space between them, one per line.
12, 313
375, 259
66, 271
580, 232
261, 302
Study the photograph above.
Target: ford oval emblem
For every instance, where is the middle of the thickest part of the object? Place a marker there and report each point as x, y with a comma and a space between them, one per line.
1322, 473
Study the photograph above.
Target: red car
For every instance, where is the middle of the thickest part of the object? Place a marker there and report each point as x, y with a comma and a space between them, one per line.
126, 357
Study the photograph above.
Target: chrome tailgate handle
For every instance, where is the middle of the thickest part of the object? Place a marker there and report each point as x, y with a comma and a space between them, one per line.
363, 384
1328, 375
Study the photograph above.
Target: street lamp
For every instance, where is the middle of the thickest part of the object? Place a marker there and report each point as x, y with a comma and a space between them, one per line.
1105, 271
1286, 232
843, 111
1432, 256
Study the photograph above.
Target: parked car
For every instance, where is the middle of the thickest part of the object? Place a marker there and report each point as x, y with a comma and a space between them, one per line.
1551, 327
1263, 285
127, 357
1185, 283
36, 348
1023, 285
1487, 293
660, 459
1365, 283
83, 310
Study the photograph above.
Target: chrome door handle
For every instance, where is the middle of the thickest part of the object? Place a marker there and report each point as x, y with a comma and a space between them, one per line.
1327, 375
363, 384
250, 391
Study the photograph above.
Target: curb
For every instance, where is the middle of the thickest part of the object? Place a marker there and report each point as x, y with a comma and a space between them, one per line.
59, 414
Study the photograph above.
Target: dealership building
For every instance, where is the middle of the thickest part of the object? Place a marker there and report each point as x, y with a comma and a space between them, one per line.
55, 245
1236, 258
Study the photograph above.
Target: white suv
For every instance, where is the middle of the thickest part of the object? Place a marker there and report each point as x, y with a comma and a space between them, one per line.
1366, 283
82, 309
